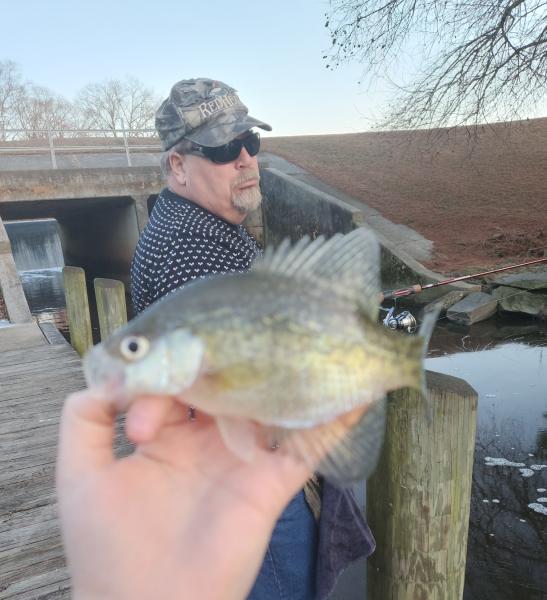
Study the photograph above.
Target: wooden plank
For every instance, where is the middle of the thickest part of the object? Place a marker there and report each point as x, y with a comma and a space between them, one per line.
13, 382
23, 335
33, 358
49, 389
35, 377
35, 524
15, 497
52, 334
48, 585
17, 388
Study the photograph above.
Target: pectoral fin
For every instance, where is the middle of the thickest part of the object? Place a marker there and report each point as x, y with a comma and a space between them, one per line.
239, 436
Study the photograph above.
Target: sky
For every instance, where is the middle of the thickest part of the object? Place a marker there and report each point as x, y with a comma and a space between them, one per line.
271, 52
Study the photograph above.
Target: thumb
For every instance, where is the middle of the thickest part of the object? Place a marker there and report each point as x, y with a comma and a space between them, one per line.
86, 434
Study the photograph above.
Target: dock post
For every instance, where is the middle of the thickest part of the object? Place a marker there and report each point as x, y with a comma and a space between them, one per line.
77, 308
418, 499
111, 307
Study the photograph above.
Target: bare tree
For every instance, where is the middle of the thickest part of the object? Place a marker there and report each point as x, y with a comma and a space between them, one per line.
11, 90
39, 109
477, 61
140, 106
108, 104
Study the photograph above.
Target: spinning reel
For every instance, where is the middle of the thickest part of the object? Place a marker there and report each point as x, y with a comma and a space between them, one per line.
405, 320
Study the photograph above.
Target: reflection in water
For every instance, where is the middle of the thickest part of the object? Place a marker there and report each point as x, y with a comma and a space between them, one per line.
38, 255
507, 548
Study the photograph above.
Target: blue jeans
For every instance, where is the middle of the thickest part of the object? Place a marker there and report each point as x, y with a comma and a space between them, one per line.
288, 570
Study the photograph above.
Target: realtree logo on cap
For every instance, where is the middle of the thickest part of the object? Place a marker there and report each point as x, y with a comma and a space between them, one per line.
208, 109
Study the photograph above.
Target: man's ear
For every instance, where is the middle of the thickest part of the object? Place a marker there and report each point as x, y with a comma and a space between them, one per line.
178, 167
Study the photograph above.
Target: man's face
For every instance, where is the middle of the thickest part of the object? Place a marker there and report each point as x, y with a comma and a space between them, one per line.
229, 190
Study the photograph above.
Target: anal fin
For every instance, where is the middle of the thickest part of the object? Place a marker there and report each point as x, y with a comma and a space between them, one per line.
344, 450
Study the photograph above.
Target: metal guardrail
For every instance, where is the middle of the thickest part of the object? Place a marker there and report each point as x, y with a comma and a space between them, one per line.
93, 135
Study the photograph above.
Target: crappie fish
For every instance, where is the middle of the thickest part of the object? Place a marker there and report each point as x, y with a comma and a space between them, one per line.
289, 354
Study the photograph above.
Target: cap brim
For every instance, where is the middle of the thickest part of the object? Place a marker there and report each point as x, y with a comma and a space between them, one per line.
225, 129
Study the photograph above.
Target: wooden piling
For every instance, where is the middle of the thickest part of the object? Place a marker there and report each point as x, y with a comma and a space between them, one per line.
111, 307
77, 309
419, 497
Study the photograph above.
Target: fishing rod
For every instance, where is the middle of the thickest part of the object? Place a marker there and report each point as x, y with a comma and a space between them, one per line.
405, 320
417, 288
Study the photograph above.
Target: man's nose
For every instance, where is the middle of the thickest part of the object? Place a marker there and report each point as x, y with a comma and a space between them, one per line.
244, 159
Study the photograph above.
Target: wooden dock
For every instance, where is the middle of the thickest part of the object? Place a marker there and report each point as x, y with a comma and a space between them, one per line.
37, 371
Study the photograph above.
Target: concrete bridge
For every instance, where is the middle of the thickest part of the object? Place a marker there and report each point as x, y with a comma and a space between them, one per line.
100, 214
100, 211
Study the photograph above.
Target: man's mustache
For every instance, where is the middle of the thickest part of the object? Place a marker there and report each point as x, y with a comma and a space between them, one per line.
248, 176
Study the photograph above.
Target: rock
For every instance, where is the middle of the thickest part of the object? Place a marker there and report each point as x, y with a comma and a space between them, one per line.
522, 302
473, 308
532, 280
445, 302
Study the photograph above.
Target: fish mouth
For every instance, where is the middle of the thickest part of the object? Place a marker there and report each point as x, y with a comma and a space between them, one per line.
104, 371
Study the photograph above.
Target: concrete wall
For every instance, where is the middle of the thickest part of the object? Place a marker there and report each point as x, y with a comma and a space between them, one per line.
68, 184
101, 237
292, 208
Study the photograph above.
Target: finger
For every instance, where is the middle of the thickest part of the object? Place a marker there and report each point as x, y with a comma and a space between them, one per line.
148, 414
287, 476
86, 434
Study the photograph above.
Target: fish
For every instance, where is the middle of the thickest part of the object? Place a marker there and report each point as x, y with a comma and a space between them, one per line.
289, 355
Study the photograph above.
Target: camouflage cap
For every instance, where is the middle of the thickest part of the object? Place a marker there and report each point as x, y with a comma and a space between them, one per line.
204, 111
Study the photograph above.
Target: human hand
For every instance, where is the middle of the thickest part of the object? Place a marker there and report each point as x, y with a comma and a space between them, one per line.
181, 517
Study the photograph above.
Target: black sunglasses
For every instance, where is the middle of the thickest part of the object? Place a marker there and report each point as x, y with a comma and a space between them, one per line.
230, 151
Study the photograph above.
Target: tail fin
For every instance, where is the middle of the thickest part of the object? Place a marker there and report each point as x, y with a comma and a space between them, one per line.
426, 329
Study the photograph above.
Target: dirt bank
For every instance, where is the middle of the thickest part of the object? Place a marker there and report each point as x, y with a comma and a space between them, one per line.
482, 199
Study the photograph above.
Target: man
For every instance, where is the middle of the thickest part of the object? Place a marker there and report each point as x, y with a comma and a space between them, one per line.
195, 230
210, 162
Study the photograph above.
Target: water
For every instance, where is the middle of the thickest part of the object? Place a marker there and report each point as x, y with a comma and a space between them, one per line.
45, 294
36, 245
507, 365
39, 259
38, 256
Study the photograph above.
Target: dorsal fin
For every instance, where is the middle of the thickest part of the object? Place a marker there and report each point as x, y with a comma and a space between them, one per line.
348, 264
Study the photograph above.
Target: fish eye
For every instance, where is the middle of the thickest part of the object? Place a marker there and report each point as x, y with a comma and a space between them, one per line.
134, 347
